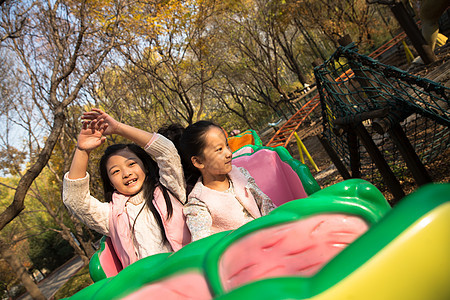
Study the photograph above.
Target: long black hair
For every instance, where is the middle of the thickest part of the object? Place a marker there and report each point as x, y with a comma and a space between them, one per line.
189, 142
151, 181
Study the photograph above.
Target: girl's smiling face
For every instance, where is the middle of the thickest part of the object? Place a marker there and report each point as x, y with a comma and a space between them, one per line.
126, 172
215, 161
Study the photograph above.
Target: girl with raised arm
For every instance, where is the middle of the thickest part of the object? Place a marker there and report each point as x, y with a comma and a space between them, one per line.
143, 186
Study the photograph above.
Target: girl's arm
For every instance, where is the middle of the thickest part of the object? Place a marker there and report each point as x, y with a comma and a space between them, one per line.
76, 194
171, 175
111, 126
264, 203
78, 200
198, 218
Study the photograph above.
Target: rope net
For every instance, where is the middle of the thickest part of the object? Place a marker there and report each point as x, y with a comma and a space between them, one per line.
354, 87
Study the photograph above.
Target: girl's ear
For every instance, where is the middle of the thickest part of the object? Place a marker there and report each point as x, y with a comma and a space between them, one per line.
197, 162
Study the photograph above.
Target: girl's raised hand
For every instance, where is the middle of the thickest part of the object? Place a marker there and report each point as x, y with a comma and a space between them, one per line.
111, 126
102, 119
91, 135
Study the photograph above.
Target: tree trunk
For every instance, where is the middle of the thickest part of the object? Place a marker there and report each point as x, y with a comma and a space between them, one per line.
311, 42
65, 233
25, 182
87, 245
21, 273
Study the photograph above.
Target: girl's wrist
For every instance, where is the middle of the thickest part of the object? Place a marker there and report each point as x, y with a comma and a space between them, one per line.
118, 128
82, 149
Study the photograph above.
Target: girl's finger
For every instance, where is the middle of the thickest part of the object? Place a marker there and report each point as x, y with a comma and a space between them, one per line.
100, 122
103, 127
98, 110
89, 116
93, 125
93, 113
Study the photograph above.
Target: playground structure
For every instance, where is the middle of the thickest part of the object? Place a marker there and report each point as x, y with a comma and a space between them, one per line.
391, 53
419, 142
343, 241
284, 135
404, 116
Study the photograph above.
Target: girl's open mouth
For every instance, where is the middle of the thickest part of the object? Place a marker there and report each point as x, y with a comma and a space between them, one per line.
130, 182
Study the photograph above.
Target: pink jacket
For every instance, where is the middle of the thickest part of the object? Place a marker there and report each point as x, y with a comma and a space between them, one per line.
176, 230
225, 209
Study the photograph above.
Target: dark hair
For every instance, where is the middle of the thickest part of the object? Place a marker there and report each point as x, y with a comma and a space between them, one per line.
150, 183
193, 143
173, 132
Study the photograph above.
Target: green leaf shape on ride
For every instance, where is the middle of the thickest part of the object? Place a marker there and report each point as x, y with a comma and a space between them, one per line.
151, 269
95, 269
412, 210
355, 197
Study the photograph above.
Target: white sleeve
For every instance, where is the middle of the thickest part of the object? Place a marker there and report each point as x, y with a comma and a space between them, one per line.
80, 203
171, 175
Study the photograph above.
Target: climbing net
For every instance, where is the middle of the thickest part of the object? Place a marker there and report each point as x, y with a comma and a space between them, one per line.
356, 88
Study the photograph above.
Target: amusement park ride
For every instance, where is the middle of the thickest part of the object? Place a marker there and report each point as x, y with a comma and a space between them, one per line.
344, 241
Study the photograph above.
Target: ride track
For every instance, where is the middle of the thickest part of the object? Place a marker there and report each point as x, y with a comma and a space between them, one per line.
284, 135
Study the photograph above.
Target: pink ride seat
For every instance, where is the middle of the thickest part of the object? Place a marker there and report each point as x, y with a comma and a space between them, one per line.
243, 150
272, 175
109, 260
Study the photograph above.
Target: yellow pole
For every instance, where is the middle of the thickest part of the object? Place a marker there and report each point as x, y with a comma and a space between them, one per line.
302, 159
302, 148
409, 55
441, 40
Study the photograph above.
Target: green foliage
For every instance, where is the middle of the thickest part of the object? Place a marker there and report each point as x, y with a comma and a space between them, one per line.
49, 250
24, 224
6, 193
